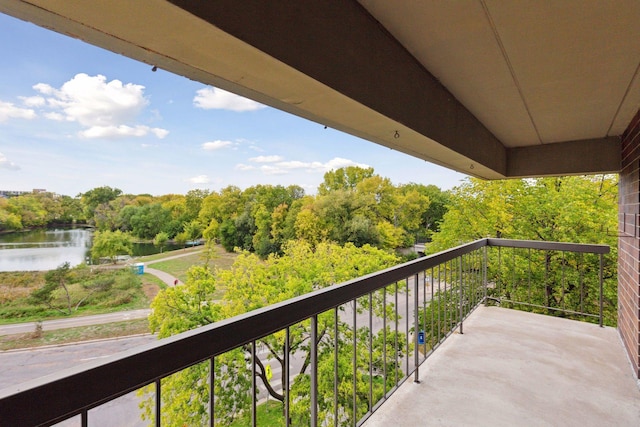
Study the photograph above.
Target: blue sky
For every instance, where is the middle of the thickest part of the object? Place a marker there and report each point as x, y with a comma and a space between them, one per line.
74, 117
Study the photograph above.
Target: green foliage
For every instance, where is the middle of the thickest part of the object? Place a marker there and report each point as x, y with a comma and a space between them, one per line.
253, 283
577, 209
67, 291
110, 244
149, 220
98, 196
343, 179
161, 239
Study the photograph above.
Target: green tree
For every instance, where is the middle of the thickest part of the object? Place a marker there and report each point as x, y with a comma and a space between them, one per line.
98, 196
253, 283
343, 179
9, 221
29, 209
54, 279
161, 240
110, 244
149, 220
580, 209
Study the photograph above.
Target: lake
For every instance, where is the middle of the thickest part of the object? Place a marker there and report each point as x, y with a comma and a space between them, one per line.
41, 250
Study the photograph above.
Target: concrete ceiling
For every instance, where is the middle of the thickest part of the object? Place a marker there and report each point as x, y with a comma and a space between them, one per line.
489, 88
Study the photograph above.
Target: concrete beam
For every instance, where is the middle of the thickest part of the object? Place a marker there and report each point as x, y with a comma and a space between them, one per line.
566, 158
339, 44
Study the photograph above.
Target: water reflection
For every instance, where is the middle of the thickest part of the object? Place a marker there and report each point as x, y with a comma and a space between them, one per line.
43, 249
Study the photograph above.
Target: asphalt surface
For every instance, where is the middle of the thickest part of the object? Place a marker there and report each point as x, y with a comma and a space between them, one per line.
18, 366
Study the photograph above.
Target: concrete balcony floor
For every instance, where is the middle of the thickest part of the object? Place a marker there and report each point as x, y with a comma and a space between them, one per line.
512, 368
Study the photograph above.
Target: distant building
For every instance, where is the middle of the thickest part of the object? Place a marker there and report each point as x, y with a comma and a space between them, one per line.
14, 193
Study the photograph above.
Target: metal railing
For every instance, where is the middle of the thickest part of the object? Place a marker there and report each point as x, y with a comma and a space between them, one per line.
340, 351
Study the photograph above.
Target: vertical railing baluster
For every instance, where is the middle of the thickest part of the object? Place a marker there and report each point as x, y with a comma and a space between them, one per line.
254, 386
529, 284
313, 346
547, 261
355, 363
395, 366
563, 282
601, 276
514, 279
485, 262
424, 311
471, 279
439, 303
158, 403
212, 383
416, 323
287, 374
581, 278
406, 321
336, 348
384, 339
446, 304
371, 352
432, 337
499, 275
84, 418
461, 296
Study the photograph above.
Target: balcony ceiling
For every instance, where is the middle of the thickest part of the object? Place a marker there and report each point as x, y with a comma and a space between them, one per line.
489, 88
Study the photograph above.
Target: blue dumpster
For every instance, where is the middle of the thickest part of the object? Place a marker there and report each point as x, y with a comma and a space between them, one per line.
139, 268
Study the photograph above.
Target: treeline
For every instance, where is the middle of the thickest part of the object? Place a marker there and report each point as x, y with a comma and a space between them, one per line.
352, 205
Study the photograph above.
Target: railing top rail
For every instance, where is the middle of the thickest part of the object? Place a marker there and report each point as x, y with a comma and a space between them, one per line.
550, 246
102, 381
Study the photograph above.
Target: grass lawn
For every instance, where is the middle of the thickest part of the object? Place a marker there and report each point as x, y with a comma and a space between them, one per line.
178, 267
69, 335
269, 413
163, 255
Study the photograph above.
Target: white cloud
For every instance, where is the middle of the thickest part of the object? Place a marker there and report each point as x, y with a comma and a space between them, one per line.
122, 131
33, 101
211, 98
105, 109
54, 116
266, 159
200, 179
243, 167
216, 145
10, 111
6, 164
277, 165
273, 170
339, 162
44, 88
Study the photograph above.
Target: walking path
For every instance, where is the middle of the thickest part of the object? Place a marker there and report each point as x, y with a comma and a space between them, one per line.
72, 322
98, 319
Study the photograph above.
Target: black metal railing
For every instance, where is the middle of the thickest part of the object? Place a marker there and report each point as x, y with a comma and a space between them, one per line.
361, 339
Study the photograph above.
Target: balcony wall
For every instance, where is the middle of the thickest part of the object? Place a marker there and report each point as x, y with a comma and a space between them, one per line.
629, 243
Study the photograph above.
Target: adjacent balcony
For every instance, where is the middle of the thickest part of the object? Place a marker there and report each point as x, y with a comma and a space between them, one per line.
428, 342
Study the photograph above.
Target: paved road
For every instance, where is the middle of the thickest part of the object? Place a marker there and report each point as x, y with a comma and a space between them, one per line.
23, 365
